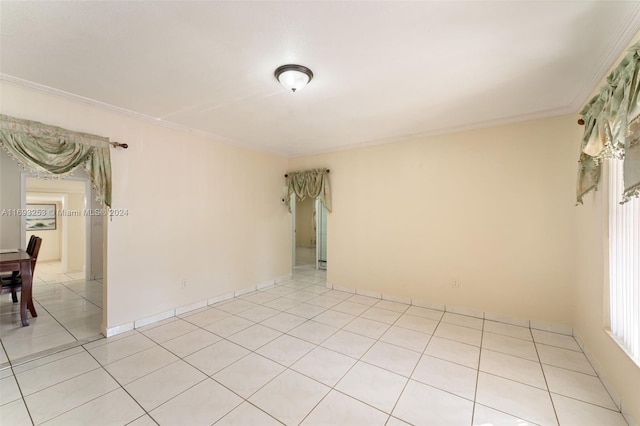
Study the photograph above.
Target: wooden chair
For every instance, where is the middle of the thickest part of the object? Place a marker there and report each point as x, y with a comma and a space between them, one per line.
16, 274
13, 283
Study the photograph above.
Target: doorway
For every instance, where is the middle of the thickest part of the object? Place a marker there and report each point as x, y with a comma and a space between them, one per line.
309, 218
67, 284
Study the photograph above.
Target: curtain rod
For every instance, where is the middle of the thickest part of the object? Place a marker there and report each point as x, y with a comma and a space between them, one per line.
119, 145
286, 175
581, 122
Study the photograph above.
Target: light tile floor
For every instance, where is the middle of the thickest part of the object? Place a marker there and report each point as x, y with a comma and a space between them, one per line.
299, 353
69, 310
305, 256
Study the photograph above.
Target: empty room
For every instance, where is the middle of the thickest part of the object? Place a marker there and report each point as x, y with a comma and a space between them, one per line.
320, 213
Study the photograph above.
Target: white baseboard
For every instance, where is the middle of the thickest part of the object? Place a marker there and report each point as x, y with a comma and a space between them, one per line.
118, 329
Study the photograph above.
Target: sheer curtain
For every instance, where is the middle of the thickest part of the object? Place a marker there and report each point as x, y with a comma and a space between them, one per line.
624, 264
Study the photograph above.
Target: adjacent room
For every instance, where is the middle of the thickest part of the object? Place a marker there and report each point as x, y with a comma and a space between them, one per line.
329, 213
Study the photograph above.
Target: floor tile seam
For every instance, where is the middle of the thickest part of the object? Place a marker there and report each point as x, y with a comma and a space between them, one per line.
60, 382
244, 400
454, 340
107, 342
462, 325
334, 388
349, 370
508, 354
47, 352
78, 406
395, 404
475, 391
187, 333
149, 413
594, 375
546, 382
119, 384
18, 398
6, 355
146, 374
560, 347
448, 360
83, 350
56, 320
507, 413
315, 406
618, 411
509, 336
421, 352
184, 334
137, 353
412, 329
513, 380
81, 295
22, 397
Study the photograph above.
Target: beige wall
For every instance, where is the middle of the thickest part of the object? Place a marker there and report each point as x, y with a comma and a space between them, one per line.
492, 208
199, 210
305, 232
76, 234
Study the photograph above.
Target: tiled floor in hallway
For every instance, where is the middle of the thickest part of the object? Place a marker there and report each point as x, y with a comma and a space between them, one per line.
299, 353
69, 310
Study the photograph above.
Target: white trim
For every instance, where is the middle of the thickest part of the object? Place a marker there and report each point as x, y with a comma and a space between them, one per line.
191, 307
428, 305
154, 318
266, 284
220, 298
50, 91
507, 319
118, 329
345, 289
244, 291
464, 311
399, 299
283, 279
627, 31
369, 293
552, 327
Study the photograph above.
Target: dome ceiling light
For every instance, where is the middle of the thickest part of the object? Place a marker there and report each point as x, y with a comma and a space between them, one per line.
293, 77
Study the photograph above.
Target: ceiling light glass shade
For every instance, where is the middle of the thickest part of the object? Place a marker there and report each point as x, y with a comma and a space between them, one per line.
293, 77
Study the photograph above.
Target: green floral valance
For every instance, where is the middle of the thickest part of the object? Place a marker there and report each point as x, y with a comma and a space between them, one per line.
612, 128
309, 183
51, 150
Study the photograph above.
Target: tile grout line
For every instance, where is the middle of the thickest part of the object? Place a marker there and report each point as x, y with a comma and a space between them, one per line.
319, 345
475, 393
544, 376
119, 384
415, 366
23, 399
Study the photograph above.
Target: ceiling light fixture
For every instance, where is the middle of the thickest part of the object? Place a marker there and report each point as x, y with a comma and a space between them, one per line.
293, 77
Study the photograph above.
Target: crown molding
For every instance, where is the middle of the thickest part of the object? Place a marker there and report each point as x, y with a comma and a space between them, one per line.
50, 91
625, 35
536, 115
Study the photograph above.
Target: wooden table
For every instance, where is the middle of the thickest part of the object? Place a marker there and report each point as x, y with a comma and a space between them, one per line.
21, 261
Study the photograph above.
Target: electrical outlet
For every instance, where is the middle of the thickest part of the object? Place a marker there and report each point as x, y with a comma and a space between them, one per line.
184, 283
455, 284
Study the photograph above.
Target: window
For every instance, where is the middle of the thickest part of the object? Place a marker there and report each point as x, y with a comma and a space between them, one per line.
624, 264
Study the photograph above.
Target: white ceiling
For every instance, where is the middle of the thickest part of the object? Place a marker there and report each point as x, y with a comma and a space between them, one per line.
383, 70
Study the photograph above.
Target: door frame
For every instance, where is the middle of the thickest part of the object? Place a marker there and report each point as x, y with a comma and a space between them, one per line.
87, 224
